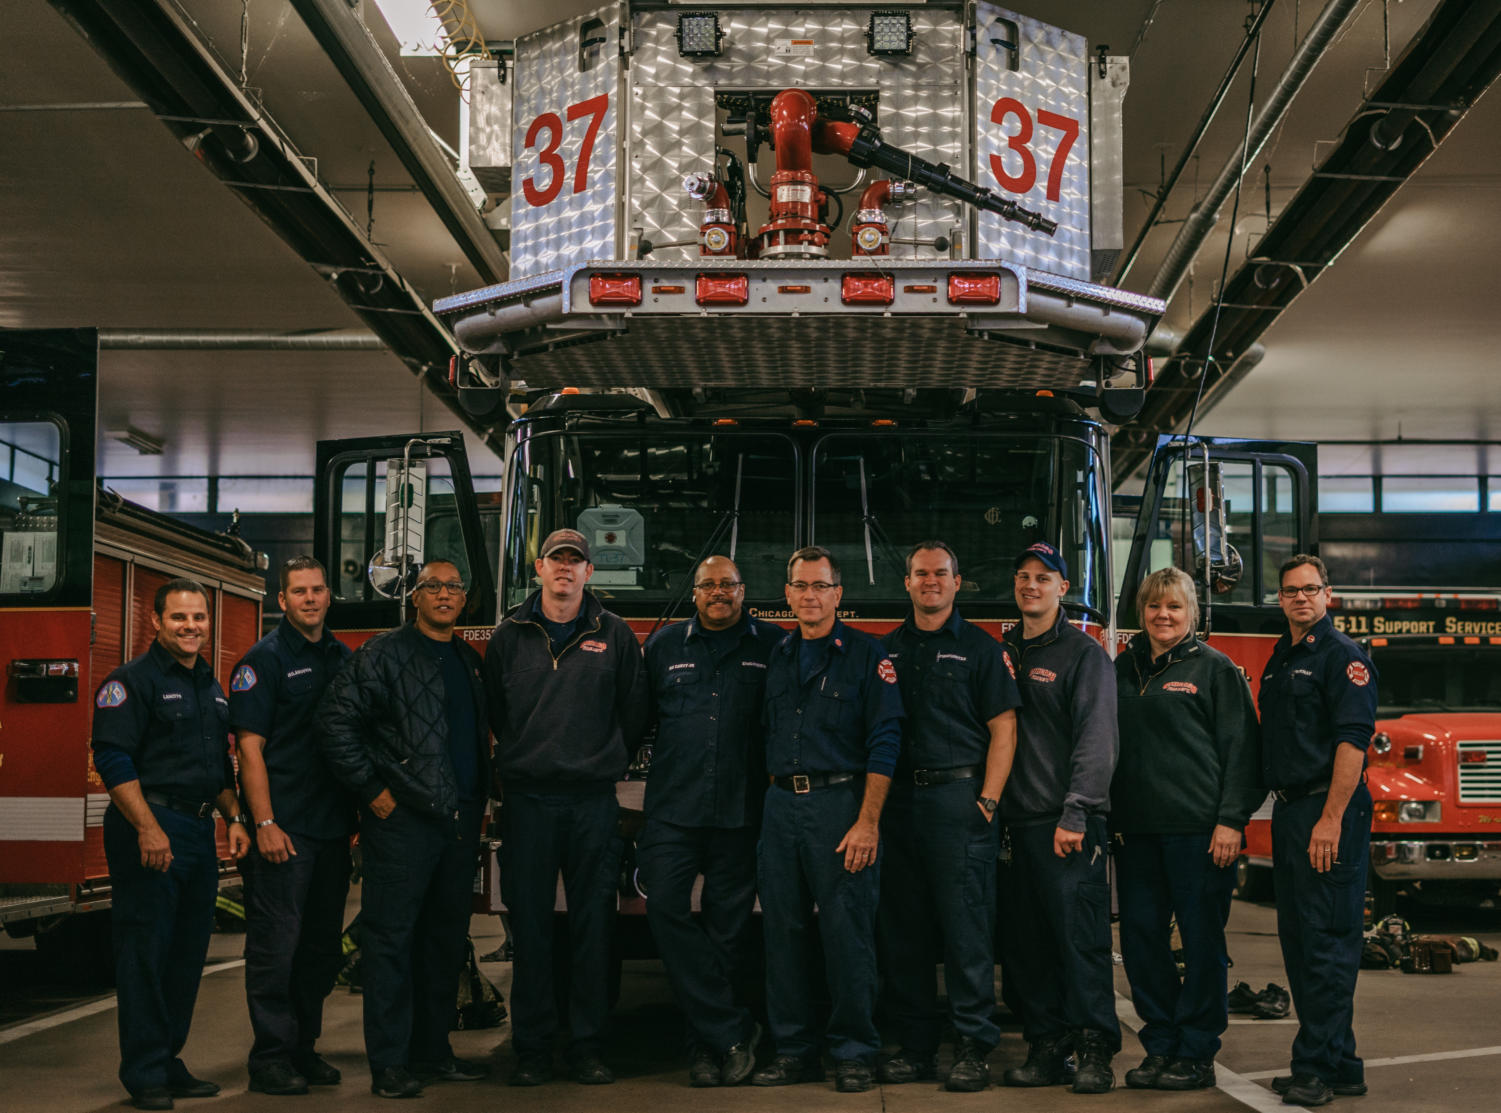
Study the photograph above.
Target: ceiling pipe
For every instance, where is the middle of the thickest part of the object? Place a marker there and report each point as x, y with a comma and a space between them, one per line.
1205, 214
235, 340
353, 50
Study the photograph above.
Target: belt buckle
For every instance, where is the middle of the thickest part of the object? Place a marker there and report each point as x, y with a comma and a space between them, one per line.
920, 778
801, 784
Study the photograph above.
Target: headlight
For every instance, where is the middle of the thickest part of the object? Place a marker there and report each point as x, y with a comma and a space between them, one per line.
1381, 742
1419, 811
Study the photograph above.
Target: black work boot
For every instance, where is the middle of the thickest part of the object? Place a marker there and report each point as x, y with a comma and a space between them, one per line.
1145, 1076
704, 1069
970, 1072
1093, 1075
907, 1066
1187, 1074
1046, 1060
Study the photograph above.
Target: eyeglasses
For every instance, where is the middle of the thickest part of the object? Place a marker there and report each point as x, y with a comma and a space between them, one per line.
433, 587
818, 587
718, 585
1309, 590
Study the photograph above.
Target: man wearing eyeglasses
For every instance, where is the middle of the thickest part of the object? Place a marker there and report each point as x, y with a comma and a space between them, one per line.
403, 726
703, 800
832, 717
567, 704
1318, 711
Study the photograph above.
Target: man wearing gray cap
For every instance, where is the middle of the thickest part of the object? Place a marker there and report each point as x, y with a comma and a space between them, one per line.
567, 701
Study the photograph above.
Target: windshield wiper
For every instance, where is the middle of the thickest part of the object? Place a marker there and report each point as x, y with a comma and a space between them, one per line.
873, 529
729, 519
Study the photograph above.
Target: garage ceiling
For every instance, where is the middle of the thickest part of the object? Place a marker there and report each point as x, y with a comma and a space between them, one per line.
107, 220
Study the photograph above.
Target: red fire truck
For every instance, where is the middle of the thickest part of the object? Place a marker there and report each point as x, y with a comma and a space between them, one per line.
1435, 759
78, 571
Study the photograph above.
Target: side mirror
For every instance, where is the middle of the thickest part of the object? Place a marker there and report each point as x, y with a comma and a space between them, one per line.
1217, 565
392, 571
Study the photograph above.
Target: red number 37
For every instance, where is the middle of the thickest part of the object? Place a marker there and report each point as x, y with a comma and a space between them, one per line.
1020, 144
594, 108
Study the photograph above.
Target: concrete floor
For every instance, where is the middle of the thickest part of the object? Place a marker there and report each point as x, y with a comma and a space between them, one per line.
1430, 1043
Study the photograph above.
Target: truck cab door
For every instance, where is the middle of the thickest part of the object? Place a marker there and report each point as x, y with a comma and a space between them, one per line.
1228, 512
373, 535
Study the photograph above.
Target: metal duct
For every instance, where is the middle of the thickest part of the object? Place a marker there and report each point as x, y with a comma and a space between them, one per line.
230, 340
1205, 215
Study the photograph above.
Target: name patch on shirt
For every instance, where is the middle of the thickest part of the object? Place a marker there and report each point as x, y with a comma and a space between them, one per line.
112, 694
295, 673
886, 671
243, 680
1358, 674
1181, 686
592, 646
684, 665
1302, 672
753, 664
1042, 676
171, 695
950, 657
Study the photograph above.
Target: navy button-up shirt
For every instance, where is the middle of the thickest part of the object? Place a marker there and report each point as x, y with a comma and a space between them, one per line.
273, 692
846, 717
954, 680
708, 762
164, 725
1315, 694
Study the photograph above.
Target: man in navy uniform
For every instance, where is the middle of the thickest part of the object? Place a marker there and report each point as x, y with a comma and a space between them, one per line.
1056, 948
703, 801
833, 732
161, 746
297, 875
1318, 711
403, 727
941, 834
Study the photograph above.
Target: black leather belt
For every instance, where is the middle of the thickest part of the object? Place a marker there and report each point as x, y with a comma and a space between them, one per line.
924, 778
1287, 795
803, 783
178, 804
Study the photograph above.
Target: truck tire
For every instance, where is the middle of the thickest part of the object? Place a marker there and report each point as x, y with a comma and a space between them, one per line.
1253, 883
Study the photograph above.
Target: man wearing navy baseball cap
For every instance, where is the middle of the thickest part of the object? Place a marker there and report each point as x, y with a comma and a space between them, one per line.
1055, 943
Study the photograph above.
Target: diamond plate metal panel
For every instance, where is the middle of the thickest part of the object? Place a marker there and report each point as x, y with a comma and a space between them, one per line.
1024, 67
922, 106
559, 214
1107, 186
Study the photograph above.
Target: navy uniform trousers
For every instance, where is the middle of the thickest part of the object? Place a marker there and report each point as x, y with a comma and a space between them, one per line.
294, 917
1162, 877
161, 923
1319, 921
414, 922
938, 902
797, 868
1055, 936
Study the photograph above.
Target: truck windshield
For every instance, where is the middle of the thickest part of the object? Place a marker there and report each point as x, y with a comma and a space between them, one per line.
988, 496
652, 504
1437, 678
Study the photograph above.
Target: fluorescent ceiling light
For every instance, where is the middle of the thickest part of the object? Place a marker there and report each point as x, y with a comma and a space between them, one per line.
416, 27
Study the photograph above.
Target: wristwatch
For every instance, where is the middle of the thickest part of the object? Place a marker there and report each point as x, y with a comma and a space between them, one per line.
989, 804
240, 819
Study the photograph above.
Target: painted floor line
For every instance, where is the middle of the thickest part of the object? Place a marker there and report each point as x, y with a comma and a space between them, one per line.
1237, 1086
1398, 1060
78, 1012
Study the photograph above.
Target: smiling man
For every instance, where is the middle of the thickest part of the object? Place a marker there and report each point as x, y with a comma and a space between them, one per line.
1318, 711
833, 731
941, 834
297, 876
403, 727
567, 704
1056, 950
161, 746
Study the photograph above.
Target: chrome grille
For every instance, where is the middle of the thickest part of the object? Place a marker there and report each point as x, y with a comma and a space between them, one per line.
1480, 782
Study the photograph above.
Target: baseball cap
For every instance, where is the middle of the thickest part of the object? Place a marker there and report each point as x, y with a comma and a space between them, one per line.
1049, 556
565, 539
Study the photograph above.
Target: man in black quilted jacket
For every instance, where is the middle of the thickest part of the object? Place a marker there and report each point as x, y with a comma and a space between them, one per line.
568, 702
404, 727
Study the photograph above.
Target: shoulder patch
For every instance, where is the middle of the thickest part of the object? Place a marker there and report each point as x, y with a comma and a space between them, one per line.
112, 694
1359, 675
1010, 664
1181, 686
886, 671
592, 646
244, 679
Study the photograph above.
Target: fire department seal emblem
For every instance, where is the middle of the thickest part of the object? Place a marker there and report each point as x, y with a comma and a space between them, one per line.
1358, 674
244, 679
111, 695
886, 671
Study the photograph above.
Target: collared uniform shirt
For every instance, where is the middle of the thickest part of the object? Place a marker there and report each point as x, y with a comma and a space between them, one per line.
953, 680
273, 692
708, 761
164, 725
1315, 694
845, 718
